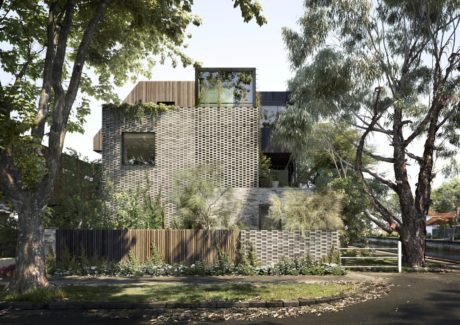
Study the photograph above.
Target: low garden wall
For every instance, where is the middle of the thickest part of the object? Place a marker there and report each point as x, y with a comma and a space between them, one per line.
187, 246
271, 245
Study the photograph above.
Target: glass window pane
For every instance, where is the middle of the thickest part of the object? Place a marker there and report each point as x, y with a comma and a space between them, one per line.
226, 88
139, 148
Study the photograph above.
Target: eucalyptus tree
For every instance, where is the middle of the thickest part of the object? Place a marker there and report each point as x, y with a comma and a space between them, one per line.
446, 197
390, 69
49, 50
323, 154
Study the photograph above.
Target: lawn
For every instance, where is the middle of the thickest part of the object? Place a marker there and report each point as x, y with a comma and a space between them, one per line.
185, 292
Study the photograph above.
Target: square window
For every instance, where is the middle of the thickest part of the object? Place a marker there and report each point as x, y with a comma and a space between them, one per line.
225, 87
139, 148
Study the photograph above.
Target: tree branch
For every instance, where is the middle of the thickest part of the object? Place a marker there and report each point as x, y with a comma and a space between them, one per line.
9, 177
378, 157
385, 226
38, 129
382, 180
64, 103
415, 157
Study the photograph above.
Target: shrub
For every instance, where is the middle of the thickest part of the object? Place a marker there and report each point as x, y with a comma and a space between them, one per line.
50, 263
201, 201
247, 259
305, 211
137, 209
246, 264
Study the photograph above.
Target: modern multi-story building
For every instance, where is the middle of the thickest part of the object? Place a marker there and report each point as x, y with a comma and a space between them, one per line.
219, 119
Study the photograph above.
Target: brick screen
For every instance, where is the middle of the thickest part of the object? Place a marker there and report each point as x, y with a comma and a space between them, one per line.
271, 245
186, 137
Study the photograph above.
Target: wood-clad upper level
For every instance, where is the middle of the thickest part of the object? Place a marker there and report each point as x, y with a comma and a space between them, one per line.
97, 141
178, 93
181, 93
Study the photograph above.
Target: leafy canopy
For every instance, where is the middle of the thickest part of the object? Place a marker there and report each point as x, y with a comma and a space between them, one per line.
389, 69
447, 197
130, 37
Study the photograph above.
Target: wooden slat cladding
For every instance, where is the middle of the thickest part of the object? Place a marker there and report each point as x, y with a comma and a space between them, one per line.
185, 246
97, 141
182, 93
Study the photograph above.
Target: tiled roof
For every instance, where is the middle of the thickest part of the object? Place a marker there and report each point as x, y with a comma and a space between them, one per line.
440, 218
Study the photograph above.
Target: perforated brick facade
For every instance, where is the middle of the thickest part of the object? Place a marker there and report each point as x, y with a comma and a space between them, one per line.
184, 138
271, 245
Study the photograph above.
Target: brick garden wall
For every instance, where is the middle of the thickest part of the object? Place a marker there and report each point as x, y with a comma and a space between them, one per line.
271, 245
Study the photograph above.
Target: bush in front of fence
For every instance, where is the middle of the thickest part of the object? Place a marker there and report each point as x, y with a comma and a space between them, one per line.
245, 265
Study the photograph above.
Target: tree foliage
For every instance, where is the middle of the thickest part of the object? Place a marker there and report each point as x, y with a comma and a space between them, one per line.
446, 197
389, 69
78, 198
324, 156
58, 54
299, 210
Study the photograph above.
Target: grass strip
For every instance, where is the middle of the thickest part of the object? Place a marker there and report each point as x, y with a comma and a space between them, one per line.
184, 292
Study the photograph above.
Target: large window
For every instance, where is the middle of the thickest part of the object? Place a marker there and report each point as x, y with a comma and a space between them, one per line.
139, 148
225, 86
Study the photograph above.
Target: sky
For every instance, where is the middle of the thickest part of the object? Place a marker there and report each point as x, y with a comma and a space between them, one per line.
222, 40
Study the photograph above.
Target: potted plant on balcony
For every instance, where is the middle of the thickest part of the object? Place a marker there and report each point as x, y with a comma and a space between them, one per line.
264, 171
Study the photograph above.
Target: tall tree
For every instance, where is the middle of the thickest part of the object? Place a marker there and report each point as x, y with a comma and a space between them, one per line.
323, 154
50, 48
390, 69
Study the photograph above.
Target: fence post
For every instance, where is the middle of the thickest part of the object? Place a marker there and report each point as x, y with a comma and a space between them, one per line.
399, 256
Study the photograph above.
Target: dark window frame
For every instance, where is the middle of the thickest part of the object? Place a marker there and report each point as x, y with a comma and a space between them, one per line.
123, 146
222, 69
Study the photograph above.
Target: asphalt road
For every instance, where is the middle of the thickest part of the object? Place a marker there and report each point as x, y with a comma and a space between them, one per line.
427, 298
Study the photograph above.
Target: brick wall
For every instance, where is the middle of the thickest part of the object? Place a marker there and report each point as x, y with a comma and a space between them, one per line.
186, 137
271, 245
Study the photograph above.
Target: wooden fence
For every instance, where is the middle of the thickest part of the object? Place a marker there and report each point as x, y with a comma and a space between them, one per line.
175, 246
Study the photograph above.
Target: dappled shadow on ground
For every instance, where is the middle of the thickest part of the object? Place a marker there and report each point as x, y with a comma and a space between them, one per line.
180, 293
429, 300
439, 308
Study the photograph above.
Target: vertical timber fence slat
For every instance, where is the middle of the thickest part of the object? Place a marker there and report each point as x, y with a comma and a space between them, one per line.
188, 246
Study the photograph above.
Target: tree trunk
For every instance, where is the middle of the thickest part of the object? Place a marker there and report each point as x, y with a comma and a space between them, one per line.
30, 252
413, 234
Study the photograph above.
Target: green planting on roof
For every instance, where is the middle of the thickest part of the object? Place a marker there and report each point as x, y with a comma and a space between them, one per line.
136, 112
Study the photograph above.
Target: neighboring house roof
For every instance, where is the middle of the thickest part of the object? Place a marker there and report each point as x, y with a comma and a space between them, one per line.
441, 218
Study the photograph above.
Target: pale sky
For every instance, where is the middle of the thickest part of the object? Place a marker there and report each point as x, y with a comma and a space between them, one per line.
223, 40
